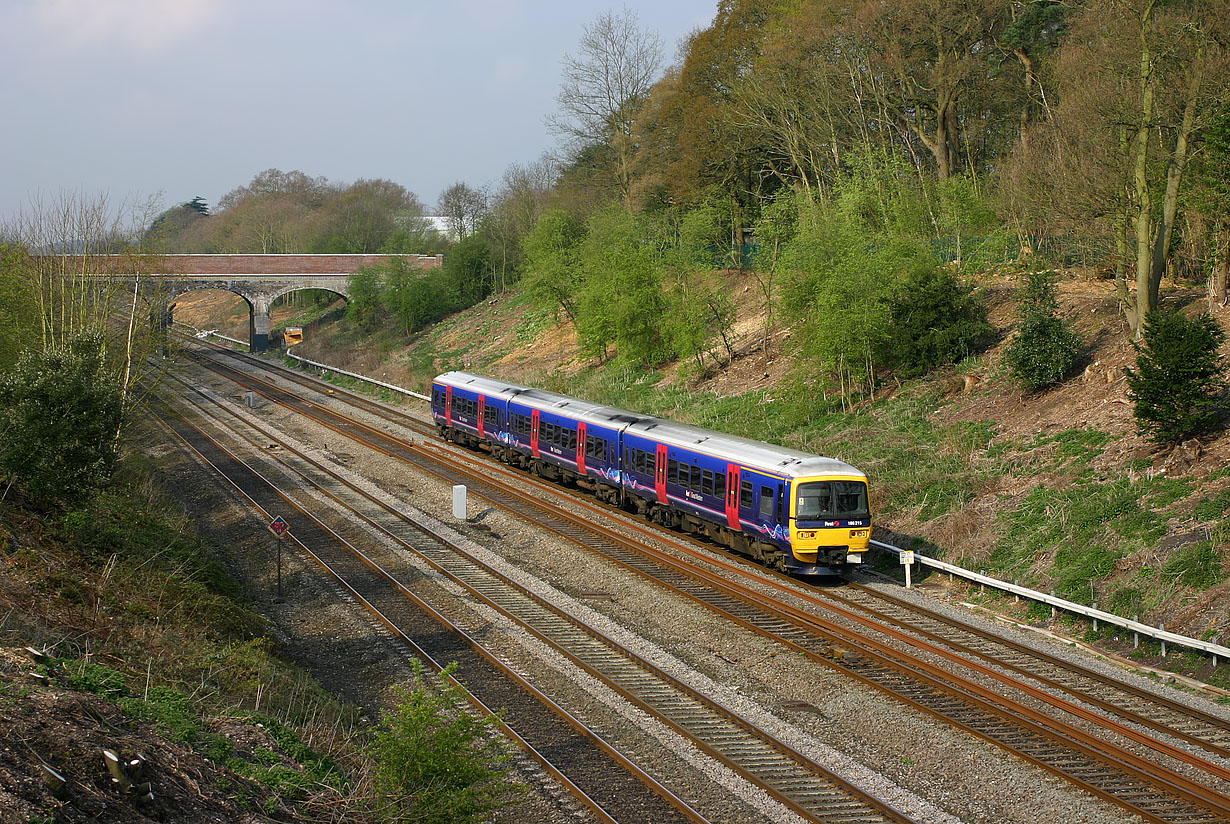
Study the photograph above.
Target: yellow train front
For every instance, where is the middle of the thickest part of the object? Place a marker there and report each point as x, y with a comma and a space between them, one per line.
830, 521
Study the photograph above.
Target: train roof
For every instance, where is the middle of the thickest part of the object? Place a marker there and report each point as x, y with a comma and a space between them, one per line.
779, 460
479, 383
608, 416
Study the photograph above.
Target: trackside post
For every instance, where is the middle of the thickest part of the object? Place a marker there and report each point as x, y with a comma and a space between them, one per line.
280, 529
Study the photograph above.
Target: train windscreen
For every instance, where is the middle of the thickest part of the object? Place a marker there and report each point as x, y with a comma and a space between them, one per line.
831, 500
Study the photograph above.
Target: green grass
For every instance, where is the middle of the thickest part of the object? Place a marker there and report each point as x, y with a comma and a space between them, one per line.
1213, 509
1088, 528
1195, 565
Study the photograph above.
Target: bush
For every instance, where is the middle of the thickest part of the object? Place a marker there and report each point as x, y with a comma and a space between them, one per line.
434, 760
1177, 384
935, 320
1045, 350
60, 413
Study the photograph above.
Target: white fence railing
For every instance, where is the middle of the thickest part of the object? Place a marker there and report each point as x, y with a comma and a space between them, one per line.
1157, 633
357, 376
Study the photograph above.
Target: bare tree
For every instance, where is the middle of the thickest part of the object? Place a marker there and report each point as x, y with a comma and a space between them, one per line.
603, 86
463, 206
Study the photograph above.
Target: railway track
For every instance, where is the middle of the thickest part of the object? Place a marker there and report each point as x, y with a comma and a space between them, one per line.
1111, 695
1154, 791
785, 775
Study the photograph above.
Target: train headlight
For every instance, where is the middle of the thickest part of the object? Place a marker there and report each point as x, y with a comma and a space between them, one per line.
807, 534
860, 533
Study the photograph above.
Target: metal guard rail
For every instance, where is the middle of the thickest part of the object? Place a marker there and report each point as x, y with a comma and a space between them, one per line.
1216, 650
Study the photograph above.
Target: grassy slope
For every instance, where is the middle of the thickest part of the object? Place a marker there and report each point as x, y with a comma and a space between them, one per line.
155, 650
1055, 490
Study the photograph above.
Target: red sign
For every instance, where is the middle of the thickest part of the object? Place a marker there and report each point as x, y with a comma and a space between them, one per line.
278, 526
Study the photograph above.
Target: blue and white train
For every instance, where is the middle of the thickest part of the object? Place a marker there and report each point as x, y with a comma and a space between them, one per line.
793, 511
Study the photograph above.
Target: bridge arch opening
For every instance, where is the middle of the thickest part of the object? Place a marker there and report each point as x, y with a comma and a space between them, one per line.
220, 310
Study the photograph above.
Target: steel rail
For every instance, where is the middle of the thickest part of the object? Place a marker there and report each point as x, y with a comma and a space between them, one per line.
681, 806
757, 756
1213, 735
1168, 781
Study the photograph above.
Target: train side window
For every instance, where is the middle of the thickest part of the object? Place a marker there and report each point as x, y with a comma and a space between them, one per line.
694, 481
767, 501
572, 439
745, 494
706, 482
719, 485
672, 470
651, 464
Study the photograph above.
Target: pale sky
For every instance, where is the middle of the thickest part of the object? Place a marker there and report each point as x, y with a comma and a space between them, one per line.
170, 99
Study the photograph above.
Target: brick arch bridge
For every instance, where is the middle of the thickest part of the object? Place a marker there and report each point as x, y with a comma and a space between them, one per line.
258, 279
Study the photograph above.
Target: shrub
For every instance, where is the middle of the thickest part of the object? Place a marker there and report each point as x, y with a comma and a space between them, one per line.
60, 412
1046, 347
434, 761
935, 320
1177, 383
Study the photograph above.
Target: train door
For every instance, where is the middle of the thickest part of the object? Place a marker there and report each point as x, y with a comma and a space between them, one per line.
482, 413
580, 448
659, 474
534, 415
732, 496
448, 405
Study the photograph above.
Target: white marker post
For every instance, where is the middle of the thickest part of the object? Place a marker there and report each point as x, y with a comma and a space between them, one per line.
906, 557
459, 502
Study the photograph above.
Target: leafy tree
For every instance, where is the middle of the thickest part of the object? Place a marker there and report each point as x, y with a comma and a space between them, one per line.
434, 761
1179, 379
551, 272
60, 411
363, 305
413, 297
839, 275
1045, 350
469, 270
935, 320
19, 321
621, 301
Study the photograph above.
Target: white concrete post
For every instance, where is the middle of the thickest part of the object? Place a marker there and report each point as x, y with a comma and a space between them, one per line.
459, 502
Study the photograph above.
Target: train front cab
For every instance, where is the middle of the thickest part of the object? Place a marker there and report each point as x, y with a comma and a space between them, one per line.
830, 523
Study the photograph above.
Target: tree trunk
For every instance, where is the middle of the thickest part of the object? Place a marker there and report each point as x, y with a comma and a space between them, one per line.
1174, 175
1221, 271
1145, 292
